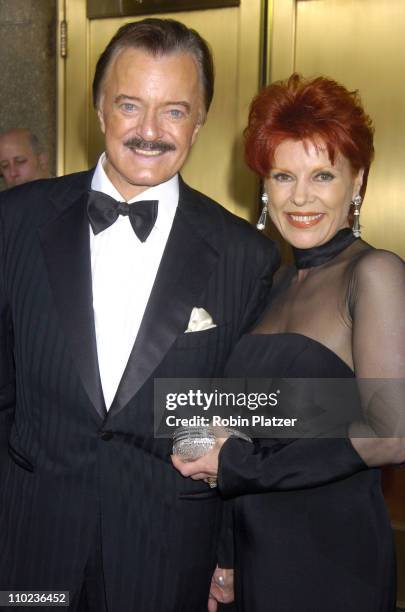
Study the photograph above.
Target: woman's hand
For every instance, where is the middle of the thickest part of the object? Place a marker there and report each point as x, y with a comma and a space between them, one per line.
203, 468
221, 589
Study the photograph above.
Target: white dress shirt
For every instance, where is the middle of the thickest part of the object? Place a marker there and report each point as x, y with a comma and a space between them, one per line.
123, 272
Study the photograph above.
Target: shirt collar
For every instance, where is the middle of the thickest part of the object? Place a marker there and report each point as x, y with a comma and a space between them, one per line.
167, 193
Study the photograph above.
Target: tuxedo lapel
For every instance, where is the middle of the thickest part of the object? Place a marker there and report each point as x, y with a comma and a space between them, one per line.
66, 246
184, 270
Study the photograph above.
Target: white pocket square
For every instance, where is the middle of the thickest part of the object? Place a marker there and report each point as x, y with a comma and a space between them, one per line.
200, 320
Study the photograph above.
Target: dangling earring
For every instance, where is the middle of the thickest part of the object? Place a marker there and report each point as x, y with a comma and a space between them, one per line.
261, 224
356, 224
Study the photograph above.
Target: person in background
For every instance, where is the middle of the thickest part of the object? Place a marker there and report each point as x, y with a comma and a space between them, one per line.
311, 527
21, 157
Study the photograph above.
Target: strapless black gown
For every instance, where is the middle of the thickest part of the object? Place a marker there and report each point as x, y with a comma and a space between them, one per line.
302, 545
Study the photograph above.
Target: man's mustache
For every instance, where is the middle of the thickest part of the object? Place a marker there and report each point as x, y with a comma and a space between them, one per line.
149, 145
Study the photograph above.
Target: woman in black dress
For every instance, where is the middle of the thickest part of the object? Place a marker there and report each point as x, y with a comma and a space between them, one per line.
311, 528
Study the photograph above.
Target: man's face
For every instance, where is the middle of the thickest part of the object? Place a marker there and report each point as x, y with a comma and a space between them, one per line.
18, 162
150, 111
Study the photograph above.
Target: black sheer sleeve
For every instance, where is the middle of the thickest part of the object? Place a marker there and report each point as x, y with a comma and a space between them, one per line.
301, 464
377, 305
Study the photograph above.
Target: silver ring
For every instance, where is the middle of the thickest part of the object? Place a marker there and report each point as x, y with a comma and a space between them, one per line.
220, 580
212, 482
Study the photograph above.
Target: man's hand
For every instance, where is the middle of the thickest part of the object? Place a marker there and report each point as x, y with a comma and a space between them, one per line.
221, 589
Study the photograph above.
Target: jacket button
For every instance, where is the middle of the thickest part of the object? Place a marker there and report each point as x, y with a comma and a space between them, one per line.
106, 435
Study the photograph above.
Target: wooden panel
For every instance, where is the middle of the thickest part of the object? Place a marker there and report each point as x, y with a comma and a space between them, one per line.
365, 50
282, 49
97, 9
74, 90
400, 547
393, 480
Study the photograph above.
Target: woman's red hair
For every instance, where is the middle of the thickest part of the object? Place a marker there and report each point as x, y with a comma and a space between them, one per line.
309, 110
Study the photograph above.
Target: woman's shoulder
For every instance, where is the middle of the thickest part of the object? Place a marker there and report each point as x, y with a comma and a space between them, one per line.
377, 263
377, 276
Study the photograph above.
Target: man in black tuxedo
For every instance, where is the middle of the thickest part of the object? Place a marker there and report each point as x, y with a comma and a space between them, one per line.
96, 296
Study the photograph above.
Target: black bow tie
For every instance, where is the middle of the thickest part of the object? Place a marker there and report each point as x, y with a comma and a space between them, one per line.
103, 211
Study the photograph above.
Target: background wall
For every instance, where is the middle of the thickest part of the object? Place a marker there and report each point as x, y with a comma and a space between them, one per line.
28, 69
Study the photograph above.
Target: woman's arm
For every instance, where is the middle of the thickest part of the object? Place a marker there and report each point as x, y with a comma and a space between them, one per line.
377, 307
267, 465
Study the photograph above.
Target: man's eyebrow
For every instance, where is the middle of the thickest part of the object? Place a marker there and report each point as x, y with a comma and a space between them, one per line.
121, 97
183, 103
178, 103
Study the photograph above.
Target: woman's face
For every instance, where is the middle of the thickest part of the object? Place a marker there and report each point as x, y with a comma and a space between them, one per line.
309, 198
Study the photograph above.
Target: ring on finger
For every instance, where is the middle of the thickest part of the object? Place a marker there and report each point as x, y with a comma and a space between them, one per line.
211, 482
220, 580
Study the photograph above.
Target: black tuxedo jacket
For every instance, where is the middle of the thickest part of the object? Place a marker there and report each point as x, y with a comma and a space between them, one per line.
71, 469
